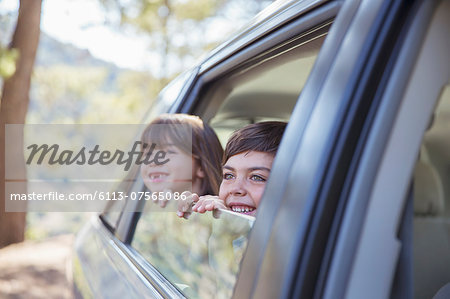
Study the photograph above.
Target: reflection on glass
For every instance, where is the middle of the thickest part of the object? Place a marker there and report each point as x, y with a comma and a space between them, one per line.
200, 256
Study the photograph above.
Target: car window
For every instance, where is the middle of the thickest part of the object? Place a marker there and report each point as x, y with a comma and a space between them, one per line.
267, 90
201, 256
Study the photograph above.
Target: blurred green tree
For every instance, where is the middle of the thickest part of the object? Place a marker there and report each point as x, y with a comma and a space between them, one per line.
8, 58
71, 94
180, 30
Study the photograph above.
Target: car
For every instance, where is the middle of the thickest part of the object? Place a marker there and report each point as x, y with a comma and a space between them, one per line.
358, 201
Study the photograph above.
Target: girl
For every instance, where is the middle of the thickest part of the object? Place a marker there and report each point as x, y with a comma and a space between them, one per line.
193, 155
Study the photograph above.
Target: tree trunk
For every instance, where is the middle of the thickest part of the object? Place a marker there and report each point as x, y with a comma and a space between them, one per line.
13, 110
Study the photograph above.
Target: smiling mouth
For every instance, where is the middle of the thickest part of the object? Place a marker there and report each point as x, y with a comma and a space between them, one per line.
242, 209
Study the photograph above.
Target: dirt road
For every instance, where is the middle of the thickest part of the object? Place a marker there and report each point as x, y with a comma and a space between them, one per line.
37, 269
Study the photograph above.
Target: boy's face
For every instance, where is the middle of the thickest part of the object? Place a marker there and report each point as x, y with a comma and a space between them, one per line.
244, 180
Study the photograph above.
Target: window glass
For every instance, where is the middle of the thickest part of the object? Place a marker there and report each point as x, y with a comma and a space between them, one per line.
201, 255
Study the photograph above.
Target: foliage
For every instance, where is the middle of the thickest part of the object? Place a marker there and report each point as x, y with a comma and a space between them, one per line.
70, 86
41, 225
179, 30
8, 58
70, 94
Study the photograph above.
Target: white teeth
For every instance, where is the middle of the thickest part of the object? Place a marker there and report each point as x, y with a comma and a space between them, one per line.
241, 210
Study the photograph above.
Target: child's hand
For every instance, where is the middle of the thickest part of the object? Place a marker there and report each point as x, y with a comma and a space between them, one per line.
162, 202
208, 203
184, 209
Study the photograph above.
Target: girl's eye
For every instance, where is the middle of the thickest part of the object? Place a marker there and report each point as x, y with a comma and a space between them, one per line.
227, 176
257, 178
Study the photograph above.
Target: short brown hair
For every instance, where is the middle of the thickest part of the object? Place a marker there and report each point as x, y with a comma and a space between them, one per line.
206, 147
259, 137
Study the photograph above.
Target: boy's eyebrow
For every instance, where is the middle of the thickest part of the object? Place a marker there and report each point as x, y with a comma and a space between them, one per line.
251, 168
228, 167
259, 168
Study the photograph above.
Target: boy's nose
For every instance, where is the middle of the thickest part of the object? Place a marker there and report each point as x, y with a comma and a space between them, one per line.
238, 188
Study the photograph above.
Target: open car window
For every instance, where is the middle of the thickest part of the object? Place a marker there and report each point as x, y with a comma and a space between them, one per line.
267, 89
201, 256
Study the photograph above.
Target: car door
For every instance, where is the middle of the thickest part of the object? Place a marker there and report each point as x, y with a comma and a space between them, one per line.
331, 215
321, 212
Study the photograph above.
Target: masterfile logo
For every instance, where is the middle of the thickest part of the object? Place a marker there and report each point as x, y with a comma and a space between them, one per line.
95, 156
84, 167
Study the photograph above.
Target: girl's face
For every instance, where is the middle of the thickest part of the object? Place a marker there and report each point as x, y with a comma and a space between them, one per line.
181, 173
244, 180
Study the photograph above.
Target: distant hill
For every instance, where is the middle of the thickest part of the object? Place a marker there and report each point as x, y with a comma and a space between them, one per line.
53, 52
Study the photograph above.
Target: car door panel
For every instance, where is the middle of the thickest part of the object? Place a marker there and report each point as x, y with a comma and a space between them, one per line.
100, 267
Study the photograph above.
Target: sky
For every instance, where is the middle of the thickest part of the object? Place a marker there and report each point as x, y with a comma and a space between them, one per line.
81, 23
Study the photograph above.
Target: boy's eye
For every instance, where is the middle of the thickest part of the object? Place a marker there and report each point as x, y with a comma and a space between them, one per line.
227, 176
257, 178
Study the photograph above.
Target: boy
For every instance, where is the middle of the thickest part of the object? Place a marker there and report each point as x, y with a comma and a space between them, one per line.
247, 162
